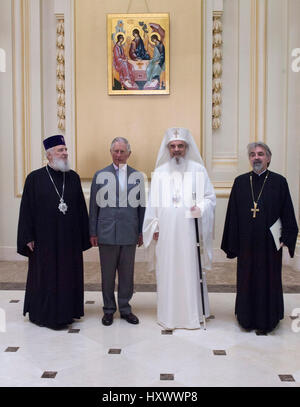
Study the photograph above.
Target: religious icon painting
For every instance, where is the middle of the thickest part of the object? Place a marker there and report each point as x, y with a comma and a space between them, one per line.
138, 54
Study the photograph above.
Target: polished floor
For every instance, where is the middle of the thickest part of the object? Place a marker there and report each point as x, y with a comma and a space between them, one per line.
89, 354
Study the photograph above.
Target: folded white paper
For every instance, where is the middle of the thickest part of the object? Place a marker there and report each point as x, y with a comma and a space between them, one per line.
276, 229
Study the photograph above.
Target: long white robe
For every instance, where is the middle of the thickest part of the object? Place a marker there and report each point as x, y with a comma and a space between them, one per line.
179, 301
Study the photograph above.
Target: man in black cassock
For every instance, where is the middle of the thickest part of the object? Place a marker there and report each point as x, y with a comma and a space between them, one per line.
53, 232
257, 200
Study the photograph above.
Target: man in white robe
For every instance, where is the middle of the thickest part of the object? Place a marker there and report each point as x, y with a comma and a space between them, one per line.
180, 191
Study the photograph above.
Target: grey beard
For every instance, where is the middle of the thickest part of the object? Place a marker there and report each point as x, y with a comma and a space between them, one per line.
59, 164
257, 167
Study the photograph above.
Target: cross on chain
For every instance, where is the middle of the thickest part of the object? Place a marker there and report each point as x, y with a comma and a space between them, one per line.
255, 209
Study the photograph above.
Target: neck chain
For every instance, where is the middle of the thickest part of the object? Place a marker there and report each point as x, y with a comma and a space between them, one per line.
62, 205
255, 208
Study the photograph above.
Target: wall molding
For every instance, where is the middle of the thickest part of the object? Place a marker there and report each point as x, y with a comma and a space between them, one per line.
217, 69
258, 70
27, 100
65, 10
27, 86
60, 71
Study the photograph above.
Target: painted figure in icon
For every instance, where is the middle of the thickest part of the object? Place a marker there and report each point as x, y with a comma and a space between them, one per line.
137, 49
122, 65
156, 65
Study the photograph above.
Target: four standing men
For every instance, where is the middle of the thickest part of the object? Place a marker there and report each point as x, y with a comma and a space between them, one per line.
116, 218
53, 232
258, 200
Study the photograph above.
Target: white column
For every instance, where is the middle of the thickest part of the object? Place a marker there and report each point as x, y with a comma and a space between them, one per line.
27, 100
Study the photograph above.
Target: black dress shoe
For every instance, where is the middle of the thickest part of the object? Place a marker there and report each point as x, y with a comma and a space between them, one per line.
131, 318
107, 319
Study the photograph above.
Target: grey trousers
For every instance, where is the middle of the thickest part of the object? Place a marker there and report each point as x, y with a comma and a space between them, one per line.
113, 258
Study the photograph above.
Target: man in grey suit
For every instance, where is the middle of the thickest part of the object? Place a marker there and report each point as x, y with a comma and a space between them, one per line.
117, 207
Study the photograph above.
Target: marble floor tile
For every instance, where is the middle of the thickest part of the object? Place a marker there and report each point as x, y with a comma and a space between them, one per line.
15, 371
106, 371
227, 372
12, 349
115, 351
49, 375
136, 355
286, 378
219, 352
167, 376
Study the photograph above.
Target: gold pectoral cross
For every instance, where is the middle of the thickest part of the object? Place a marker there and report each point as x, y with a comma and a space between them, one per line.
255, 209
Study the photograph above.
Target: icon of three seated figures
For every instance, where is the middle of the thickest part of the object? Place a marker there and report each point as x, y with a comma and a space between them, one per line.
142, 69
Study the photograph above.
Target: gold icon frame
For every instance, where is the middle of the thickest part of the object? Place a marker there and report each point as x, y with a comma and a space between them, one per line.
133, 77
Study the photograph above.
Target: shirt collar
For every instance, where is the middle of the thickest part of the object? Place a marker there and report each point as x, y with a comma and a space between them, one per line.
122, 168
262, 172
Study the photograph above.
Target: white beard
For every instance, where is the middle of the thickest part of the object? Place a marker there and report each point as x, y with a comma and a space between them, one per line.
178, 164
59, 164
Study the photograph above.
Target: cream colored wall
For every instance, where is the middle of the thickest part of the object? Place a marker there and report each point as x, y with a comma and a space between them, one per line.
141, 119
9, 204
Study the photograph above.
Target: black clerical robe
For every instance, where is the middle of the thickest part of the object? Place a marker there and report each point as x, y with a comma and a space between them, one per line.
259, 300
54, 289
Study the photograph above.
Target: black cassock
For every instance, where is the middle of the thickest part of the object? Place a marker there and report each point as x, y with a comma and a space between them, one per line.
54, 289
259, 300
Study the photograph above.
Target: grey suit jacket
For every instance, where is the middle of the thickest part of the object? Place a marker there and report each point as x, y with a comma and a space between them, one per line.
116, 217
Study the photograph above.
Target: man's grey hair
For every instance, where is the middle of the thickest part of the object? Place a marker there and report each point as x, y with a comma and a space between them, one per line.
252, 146
49, 151
120, 140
